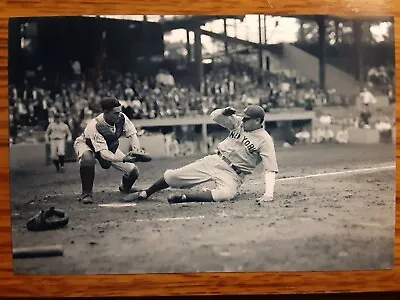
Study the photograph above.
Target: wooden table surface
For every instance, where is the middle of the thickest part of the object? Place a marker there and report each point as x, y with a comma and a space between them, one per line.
180, 284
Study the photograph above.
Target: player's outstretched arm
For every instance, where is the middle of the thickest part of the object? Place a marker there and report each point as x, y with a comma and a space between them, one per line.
69, 134
134, 141
224, 117
118, 157
131, 133
109, 156
268, 156
47, 133
270, 178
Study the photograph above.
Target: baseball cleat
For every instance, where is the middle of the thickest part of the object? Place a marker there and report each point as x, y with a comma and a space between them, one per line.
175, 199
260, 201
131, 190
87, 199
135, 196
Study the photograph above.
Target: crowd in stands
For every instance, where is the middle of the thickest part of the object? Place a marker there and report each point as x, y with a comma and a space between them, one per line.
335, 129
163, 96
381, 81
155, 97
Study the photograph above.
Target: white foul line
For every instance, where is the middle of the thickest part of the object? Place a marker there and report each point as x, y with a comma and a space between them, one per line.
170, 219
337, 173
117, 204
109, 189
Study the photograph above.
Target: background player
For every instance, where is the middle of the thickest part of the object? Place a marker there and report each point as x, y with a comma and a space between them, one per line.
247, 144
56, 134
100, 141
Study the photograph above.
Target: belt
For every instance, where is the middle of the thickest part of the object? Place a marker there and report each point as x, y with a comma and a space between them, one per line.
235, 168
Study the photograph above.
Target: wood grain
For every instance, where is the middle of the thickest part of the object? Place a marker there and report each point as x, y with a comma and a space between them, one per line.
180, 284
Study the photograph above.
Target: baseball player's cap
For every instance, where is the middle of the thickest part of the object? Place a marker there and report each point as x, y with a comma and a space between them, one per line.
108, 103
254, 112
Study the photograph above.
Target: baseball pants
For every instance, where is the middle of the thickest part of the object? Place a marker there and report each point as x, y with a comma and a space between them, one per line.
210, 168
57, 148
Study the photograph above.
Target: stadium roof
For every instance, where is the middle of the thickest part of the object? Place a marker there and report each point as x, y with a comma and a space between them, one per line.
190, 20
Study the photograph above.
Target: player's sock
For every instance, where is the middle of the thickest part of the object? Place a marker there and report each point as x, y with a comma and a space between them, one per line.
198, 197
61, 158
57, 164
87, 178
130, 179
157, 186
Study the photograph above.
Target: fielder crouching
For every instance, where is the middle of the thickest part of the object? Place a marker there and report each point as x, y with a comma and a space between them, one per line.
246, 145
100, 141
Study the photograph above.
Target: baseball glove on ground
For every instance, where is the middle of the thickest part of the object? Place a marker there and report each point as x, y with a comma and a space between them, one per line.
47, 220
136, 155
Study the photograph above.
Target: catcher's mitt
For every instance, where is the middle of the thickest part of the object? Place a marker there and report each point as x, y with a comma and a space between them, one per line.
137, 155
45, 220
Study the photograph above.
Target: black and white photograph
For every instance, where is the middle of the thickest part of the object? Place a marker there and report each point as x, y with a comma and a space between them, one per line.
186, 143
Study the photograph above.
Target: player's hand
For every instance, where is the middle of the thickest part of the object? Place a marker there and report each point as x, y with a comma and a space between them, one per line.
137, 155
129, 158
228, 111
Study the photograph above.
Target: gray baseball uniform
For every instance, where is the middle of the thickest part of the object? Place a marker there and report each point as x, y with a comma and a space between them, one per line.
238, 155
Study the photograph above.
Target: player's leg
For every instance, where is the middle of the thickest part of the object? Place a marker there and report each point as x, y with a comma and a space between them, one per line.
130, 173
53, 154
226, 180
205, 196
61, 153
188, 176
227, 187
87, 164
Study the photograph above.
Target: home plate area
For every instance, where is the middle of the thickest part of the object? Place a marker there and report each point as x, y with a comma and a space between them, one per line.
331, 212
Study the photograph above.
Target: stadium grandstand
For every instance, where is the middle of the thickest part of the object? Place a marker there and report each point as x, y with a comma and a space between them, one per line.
317, 76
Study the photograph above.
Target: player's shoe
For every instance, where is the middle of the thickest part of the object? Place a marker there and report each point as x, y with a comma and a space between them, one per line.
87, 199
131, 190
175, 199
135, 196
62, 170
264, 200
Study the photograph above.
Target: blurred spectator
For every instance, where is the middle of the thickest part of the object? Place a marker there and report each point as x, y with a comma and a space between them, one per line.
367, 97
342, 136
303, 137
365, 117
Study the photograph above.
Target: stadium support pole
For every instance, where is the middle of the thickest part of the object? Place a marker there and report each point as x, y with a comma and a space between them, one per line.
188, 47
204, 135
265, 29
198, 57
301, 37
357, 49
260, 60
322, 50
226, 34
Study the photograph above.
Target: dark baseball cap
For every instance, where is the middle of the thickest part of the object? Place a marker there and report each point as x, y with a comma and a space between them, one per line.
254, 112
108, 103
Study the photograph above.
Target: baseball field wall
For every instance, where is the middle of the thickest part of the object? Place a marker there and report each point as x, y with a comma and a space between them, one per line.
154, 143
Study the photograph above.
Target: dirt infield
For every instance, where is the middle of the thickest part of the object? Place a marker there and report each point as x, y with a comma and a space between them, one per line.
341, 218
